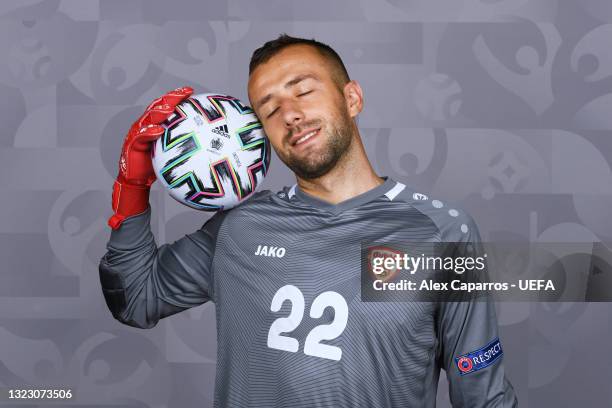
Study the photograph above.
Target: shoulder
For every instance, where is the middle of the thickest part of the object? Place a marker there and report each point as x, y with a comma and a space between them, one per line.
454, 223
264, 199
260, 202
250, 203
257, 197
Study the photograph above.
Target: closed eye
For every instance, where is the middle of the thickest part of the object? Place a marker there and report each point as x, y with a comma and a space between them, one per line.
274, 111
271, 113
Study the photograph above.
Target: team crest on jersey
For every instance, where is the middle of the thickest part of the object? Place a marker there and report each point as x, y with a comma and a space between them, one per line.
382, 252
479, 359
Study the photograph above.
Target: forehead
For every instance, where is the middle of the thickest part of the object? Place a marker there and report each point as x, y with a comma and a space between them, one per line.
291, 61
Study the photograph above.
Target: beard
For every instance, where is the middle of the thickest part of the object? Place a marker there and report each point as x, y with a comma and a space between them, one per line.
319, 162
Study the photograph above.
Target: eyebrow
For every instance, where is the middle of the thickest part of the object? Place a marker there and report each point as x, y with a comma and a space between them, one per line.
288, 85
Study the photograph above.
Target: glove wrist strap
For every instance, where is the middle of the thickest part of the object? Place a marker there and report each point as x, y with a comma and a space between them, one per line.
128, 200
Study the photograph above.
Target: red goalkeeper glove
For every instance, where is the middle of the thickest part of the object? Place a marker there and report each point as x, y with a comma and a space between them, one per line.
133, 184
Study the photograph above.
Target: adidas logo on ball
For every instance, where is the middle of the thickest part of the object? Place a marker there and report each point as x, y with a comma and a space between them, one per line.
221, 130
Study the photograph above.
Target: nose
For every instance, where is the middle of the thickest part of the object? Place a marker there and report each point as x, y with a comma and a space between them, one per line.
292, 114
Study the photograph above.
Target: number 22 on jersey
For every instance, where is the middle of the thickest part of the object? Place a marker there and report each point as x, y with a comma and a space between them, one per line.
312, 344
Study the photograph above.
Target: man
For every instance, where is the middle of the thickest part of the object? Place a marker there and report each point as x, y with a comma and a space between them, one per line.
284, 268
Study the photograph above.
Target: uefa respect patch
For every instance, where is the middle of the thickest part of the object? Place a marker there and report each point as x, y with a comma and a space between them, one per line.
479, 359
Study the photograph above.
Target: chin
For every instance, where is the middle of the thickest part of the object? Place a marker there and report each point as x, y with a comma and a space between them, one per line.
313, 170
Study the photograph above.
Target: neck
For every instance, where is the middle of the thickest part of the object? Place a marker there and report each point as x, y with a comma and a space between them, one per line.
352, 175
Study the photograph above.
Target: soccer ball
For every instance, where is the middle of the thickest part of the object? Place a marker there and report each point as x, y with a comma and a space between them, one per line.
214, 153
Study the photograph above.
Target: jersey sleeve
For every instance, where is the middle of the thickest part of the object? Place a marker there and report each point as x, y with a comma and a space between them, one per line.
142, 283
470, 350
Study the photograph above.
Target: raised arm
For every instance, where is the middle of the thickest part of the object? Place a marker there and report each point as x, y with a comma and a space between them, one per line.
143, 283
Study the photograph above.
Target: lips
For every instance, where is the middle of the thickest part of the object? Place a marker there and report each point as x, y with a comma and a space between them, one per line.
302, 137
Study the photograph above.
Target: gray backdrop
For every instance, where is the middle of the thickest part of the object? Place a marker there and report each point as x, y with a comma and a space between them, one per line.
504, 106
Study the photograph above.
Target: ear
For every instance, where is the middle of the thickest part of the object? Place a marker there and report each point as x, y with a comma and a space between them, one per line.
353, 95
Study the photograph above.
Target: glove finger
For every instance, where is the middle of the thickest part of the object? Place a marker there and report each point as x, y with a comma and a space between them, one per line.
151, 131
156, 101
147, 139
174, 99
176, 96
171, 98
185, 91
146, 135
155, 116
145, 118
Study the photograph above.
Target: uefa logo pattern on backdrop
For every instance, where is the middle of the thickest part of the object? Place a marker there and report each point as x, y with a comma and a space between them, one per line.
503, 107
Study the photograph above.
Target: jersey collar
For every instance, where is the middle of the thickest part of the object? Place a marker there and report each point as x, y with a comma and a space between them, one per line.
388, 187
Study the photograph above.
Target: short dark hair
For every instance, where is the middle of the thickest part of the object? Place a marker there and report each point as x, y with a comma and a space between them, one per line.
273, 47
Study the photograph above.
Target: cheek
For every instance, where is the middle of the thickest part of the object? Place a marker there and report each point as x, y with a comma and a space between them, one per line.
275, 133
324, 109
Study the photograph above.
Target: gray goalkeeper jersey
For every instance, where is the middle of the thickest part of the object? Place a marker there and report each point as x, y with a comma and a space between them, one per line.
284, 272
